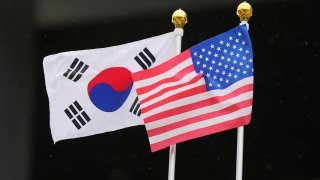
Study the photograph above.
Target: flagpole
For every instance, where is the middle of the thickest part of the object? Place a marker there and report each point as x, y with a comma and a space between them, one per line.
179, 19
244, 11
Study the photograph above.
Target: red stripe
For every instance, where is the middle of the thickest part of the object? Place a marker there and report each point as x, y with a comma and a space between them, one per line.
202, 132
190, 92
201, 117
192, 106
176, 77
165, 90
169, 64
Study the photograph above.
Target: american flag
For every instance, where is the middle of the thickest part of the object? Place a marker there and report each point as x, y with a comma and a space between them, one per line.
204, 90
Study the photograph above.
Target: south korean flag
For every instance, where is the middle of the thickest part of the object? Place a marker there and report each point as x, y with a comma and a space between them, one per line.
92, 92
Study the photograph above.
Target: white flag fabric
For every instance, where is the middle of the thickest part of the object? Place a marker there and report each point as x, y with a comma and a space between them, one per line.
91, 91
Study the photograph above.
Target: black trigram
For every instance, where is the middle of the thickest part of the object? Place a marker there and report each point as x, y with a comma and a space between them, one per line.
135, 108
78, 117
145, 58
76, 70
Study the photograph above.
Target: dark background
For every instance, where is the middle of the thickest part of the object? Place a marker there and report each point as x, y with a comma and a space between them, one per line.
281, 143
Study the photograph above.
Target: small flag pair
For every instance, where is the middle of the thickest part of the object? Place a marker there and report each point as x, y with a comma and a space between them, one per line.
206, 89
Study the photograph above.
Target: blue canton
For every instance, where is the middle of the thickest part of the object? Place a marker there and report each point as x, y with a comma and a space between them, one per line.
224, 59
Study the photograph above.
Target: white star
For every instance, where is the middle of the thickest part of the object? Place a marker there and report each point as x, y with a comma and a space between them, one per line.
226, 66
219, 64
238, 55
215, 55
223, 73
209, 52
211, 46
207, 59
230, 38
244, 72
200, 56
218, 48
231, 53
228, 59
210, 84
219, 85
214, 77
234, 46
250, 60
213, 61
221, 42
210, 68
252, 69
221, 79
201, 71
244, 58
243, 43
247, 66
237, 40
195, 53
203, 50
217, 70
247, 51
208, 75
240, 49
229, 74
227, 81
225, 51
227, 44
234, 62
240, 63
198, 62
204, 65
239, 33
232, 68
235, 76
222, 57
238, 70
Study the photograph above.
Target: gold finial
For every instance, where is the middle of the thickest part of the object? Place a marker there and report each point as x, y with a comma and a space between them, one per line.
244, 11
179, 18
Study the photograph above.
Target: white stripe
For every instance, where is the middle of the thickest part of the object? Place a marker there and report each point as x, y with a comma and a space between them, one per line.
147, 56
173, 92
142, 61
198, 97
197, 112
171, 72
185, 79
199, 125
